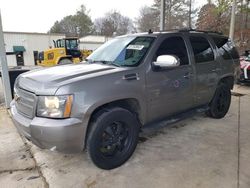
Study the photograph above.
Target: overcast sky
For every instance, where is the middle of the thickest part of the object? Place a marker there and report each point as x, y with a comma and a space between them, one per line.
39, 16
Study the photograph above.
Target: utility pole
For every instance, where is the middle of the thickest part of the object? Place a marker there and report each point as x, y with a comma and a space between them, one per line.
162, 15
232, 23
190, 17
4, 68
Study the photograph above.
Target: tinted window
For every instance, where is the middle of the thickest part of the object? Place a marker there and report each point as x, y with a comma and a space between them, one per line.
174, 46
226, 48
202, 49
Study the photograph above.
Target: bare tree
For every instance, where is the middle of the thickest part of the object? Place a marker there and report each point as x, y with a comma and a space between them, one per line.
242, 27
217, 17
148, 19
214, 16
113, 23
206, 17
191, 13
178, 13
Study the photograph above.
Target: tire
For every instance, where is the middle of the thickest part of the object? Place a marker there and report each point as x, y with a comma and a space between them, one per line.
112, 138
220, 103
65, 62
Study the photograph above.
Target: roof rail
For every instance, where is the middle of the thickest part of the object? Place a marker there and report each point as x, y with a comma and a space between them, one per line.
197, 30
194, 30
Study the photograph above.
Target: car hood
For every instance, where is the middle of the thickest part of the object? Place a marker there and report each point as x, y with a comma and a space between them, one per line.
46, 81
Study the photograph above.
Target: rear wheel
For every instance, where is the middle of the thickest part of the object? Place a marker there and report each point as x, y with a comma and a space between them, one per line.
113, 137
65, 62
220, 103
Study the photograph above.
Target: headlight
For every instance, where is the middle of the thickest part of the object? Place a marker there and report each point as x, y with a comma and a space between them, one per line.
54, 106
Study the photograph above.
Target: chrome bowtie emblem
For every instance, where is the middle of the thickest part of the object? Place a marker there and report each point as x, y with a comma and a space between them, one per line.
17, 98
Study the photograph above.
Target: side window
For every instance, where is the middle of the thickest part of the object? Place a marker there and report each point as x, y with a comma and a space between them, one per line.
174, 46
203, 52
225, 48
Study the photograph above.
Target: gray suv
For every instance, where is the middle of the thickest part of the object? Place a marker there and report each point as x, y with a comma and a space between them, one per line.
128, 82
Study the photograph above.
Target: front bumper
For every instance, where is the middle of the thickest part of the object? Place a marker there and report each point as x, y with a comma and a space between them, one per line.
65, 135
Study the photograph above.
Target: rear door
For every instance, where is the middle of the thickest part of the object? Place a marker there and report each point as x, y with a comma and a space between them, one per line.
228, 55
207, 68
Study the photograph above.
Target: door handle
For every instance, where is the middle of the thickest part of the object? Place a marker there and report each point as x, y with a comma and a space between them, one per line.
216, 70
133, 76
188, 75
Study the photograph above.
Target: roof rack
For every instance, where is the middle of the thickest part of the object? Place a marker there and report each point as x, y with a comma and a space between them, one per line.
194, 30
197, 30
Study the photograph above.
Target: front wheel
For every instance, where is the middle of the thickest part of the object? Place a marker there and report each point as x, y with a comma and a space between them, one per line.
220, 103
113, 137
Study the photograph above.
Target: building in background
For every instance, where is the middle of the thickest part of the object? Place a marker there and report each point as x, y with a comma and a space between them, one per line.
91, 42
22, 48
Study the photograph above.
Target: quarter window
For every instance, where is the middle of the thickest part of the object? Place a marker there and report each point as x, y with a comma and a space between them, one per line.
225, 48
174, 46
203, 52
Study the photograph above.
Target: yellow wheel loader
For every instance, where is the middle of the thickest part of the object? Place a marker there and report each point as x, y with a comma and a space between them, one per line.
65, 51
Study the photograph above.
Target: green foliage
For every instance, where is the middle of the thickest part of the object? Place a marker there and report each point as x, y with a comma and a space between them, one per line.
223, 6
79, 24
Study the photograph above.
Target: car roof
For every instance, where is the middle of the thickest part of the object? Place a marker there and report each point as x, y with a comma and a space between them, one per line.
158, 33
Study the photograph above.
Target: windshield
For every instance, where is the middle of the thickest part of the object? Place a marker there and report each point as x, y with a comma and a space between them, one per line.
123, 51
71, 44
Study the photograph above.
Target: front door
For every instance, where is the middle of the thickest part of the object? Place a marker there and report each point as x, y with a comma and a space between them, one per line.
170, 91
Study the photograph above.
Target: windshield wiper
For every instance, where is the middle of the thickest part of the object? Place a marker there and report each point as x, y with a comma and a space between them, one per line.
97, 61
103, 62
115, 64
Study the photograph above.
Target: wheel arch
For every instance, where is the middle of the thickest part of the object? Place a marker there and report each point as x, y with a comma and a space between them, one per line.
229, 80
130, 104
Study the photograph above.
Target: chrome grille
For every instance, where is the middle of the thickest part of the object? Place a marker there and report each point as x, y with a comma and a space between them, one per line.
25, 102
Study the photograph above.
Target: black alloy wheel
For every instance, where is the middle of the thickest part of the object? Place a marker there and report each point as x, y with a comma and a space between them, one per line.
113, 137
220, 103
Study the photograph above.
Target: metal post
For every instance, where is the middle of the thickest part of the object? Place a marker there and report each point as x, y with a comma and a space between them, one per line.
162, 16
4, 68
232, 23
189, 16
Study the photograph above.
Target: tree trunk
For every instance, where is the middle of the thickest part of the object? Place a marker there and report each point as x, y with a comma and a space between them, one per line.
246, 21
241, 21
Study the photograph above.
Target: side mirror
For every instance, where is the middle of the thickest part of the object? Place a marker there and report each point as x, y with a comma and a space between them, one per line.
167, 61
